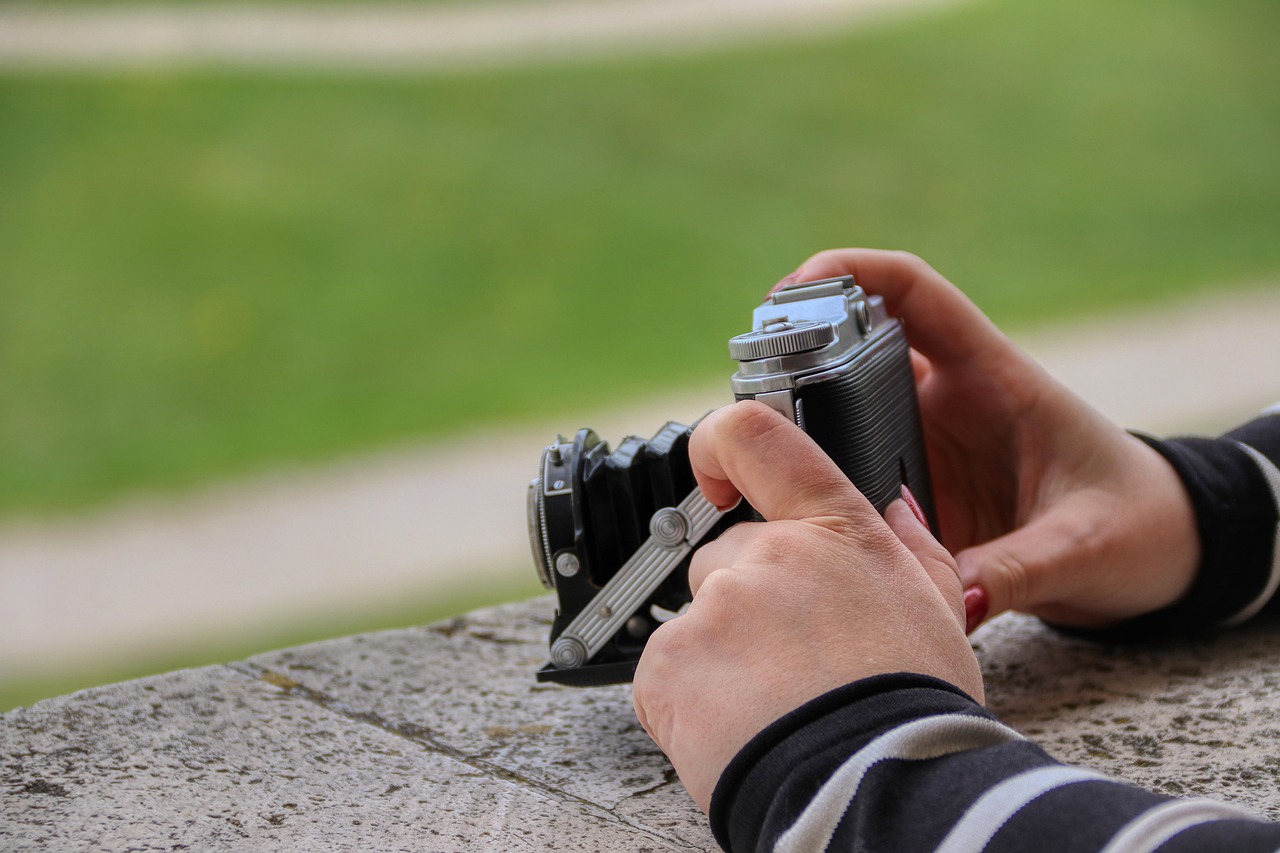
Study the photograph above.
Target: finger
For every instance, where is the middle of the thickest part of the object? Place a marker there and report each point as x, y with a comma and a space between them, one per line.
920, 367
942, 323
789, 278
724, 550
750, 450
928, 551
1017, 570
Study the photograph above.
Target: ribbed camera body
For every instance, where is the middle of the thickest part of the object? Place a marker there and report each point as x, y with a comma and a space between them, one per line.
830, 358
613, 532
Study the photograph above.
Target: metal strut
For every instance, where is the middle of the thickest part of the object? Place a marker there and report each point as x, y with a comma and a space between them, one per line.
673, 533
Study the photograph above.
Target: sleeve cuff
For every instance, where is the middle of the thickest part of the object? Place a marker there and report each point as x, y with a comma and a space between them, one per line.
1235, 505
781, 769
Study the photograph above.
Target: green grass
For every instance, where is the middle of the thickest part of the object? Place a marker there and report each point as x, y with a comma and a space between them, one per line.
206, 273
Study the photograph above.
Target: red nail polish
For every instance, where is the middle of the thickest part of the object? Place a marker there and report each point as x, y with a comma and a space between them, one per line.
975, 607
911, 501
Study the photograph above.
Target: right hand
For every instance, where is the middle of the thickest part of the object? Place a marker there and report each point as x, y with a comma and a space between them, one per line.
822, 594
1050, 508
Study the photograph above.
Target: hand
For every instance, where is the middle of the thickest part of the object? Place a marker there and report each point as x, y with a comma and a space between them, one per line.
1049, 507
822, 594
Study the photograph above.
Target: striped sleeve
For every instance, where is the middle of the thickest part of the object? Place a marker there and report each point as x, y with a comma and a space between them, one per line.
905, 762
1234, 486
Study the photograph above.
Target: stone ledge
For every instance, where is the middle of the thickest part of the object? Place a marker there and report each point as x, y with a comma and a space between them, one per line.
438, 738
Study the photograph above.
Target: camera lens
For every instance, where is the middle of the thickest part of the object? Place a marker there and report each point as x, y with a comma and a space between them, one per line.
538, 533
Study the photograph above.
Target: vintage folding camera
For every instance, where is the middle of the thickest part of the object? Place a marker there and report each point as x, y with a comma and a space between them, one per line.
613, 532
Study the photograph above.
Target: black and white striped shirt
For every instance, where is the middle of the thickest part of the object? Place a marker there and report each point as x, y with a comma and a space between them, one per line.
905, 762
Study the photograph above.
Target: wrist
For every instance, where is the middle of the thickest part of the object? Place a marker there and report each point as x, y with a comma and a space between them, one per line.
1234, 521
1170, 534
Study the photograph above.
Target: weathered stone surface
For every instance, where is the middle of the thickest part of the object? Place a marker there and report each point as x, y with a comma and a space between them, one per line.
428, 739
438, 738
470, 684
1186, 718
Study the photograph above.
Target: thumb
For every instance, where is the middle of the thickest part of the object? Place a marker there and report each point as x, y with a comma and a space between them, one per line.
748, 449
1024, 570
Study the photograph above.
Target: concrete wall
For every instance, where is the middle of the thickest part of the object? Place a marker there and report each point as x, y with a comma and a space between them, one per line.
438, 738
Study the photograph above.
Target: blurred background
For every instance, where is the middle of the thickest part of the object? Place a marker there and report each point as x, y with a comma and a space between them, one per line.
287, 315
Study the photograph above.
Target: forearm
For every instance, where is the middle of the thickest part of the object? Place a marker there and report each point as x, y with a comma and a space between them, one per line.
903, 762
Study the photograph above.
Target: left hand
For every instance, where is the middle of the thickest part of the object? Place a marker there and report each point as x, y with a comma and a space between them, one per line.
1049, 507
824, 593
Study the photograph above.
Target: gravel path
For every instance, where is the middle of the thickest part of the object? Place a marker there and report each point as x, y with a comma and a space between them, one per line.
403, 36
425, 521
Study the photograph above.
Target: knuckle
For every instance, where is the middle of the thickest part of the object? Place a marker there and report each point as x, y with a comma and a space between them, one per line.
750, 421
720, 551
665, 643
935, 551
651, 693
856, 528
913, 262
702, 564
827, 259
659, 667
1013, 581
725, 595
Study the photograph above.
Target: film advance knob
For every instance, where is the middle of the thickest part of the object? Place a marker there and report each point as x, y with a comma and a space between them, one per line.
782, 338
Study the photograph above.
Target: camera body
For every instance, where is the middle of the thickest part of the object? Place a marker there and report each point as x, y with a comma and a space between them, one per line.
613, 532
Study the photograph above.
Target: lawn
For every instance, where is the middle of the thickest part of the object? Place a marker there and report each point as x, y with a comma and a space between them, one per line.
207, 273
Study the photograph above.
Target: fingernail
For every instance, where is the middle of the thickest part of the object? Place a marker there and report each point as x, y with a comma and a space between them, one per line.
911, 501
791, 279
975, 608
